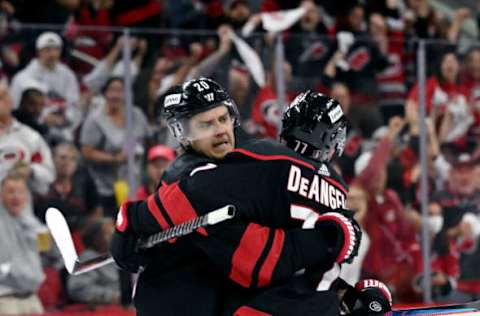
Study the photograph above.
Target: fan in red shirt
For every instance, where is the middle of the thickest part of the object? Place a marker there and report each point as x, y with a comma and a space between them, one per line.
446, 102
390, 257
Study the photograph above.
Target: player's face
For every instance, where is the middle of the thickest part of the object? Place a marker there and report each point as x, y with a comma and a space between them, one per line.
212, 132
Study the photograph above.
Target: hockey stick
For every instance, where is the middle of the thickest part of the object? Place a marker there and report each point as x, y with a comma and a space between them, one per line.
61, 234
465, 309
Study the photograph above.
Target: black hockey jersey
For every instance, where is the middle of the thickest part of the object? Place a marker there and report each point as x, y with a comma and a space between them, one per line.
272, 187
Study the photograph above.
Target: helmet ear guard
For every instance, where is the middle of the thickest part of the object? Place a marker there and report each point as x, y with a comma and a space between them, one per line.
314, 126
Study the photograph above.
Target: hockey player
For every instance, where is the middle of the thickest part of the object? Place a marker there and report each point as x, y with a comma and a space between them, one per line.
259, 255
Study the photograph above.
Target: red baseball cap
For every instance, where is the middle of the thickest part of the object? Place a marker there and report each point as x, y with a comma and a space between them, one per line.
161, 152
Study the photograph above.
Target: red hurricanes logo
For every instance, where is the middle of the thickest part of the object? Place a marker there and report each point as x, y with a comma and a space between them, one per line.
358, 59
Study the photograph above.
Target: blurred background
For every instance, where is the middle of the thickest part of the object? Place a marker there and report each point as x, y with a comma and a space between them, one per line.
81, 91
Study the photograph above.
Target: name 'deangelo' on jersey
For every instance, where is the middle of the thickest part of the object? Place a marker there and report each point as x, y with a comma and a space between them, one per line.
316, 188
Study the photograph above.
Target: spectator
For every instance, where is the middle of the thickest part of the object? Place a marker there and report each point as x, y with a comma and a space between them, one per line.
356, 56
103, 140
100, 286
307, 46
237, 13
23, 149
459, 203
422, 20
159, 158
21, 271
73, 191
453, 26
445, 100
59, 82
392, 237
30, 110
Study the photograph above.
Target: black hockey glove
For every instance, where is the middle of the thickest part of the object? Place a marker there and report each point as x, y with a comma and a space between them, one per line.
342, 232
368, 297
124, 241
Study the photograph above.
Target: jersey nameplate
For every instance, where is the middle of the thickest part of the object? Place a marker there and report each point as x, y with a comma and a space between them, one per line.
316, 188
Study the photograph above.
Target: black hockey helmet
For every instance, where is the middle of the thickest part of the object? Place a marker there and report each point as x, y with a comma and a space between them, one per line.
314, 126
182, 102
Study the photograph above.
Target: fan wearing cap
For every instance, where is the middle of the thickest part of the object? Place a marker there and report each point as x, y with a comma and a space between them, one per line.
159, 158
58, 79
458, 226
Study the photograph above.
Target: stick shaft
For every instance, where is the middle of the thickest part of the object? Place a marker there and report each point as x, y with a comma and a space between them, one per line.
186, 228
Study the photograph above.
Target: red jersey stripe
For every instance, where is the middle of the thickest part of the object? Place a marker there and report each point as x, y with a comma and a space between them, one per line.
177, 205
249, 311
155, 211
265, 275
247, 253
273, 157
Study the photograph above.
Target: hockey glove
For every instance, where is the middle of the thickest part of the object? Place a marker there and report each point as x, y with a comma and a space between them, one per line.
342, 232
368, 297
124, 241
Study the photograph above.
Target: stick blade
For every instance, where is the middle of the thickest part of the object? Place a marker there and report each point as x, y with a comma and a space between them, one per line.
63, 239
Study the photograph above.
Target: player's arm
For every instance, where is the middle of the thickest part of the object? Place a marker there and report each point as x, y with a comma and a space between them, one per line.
257, 256
250, 254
